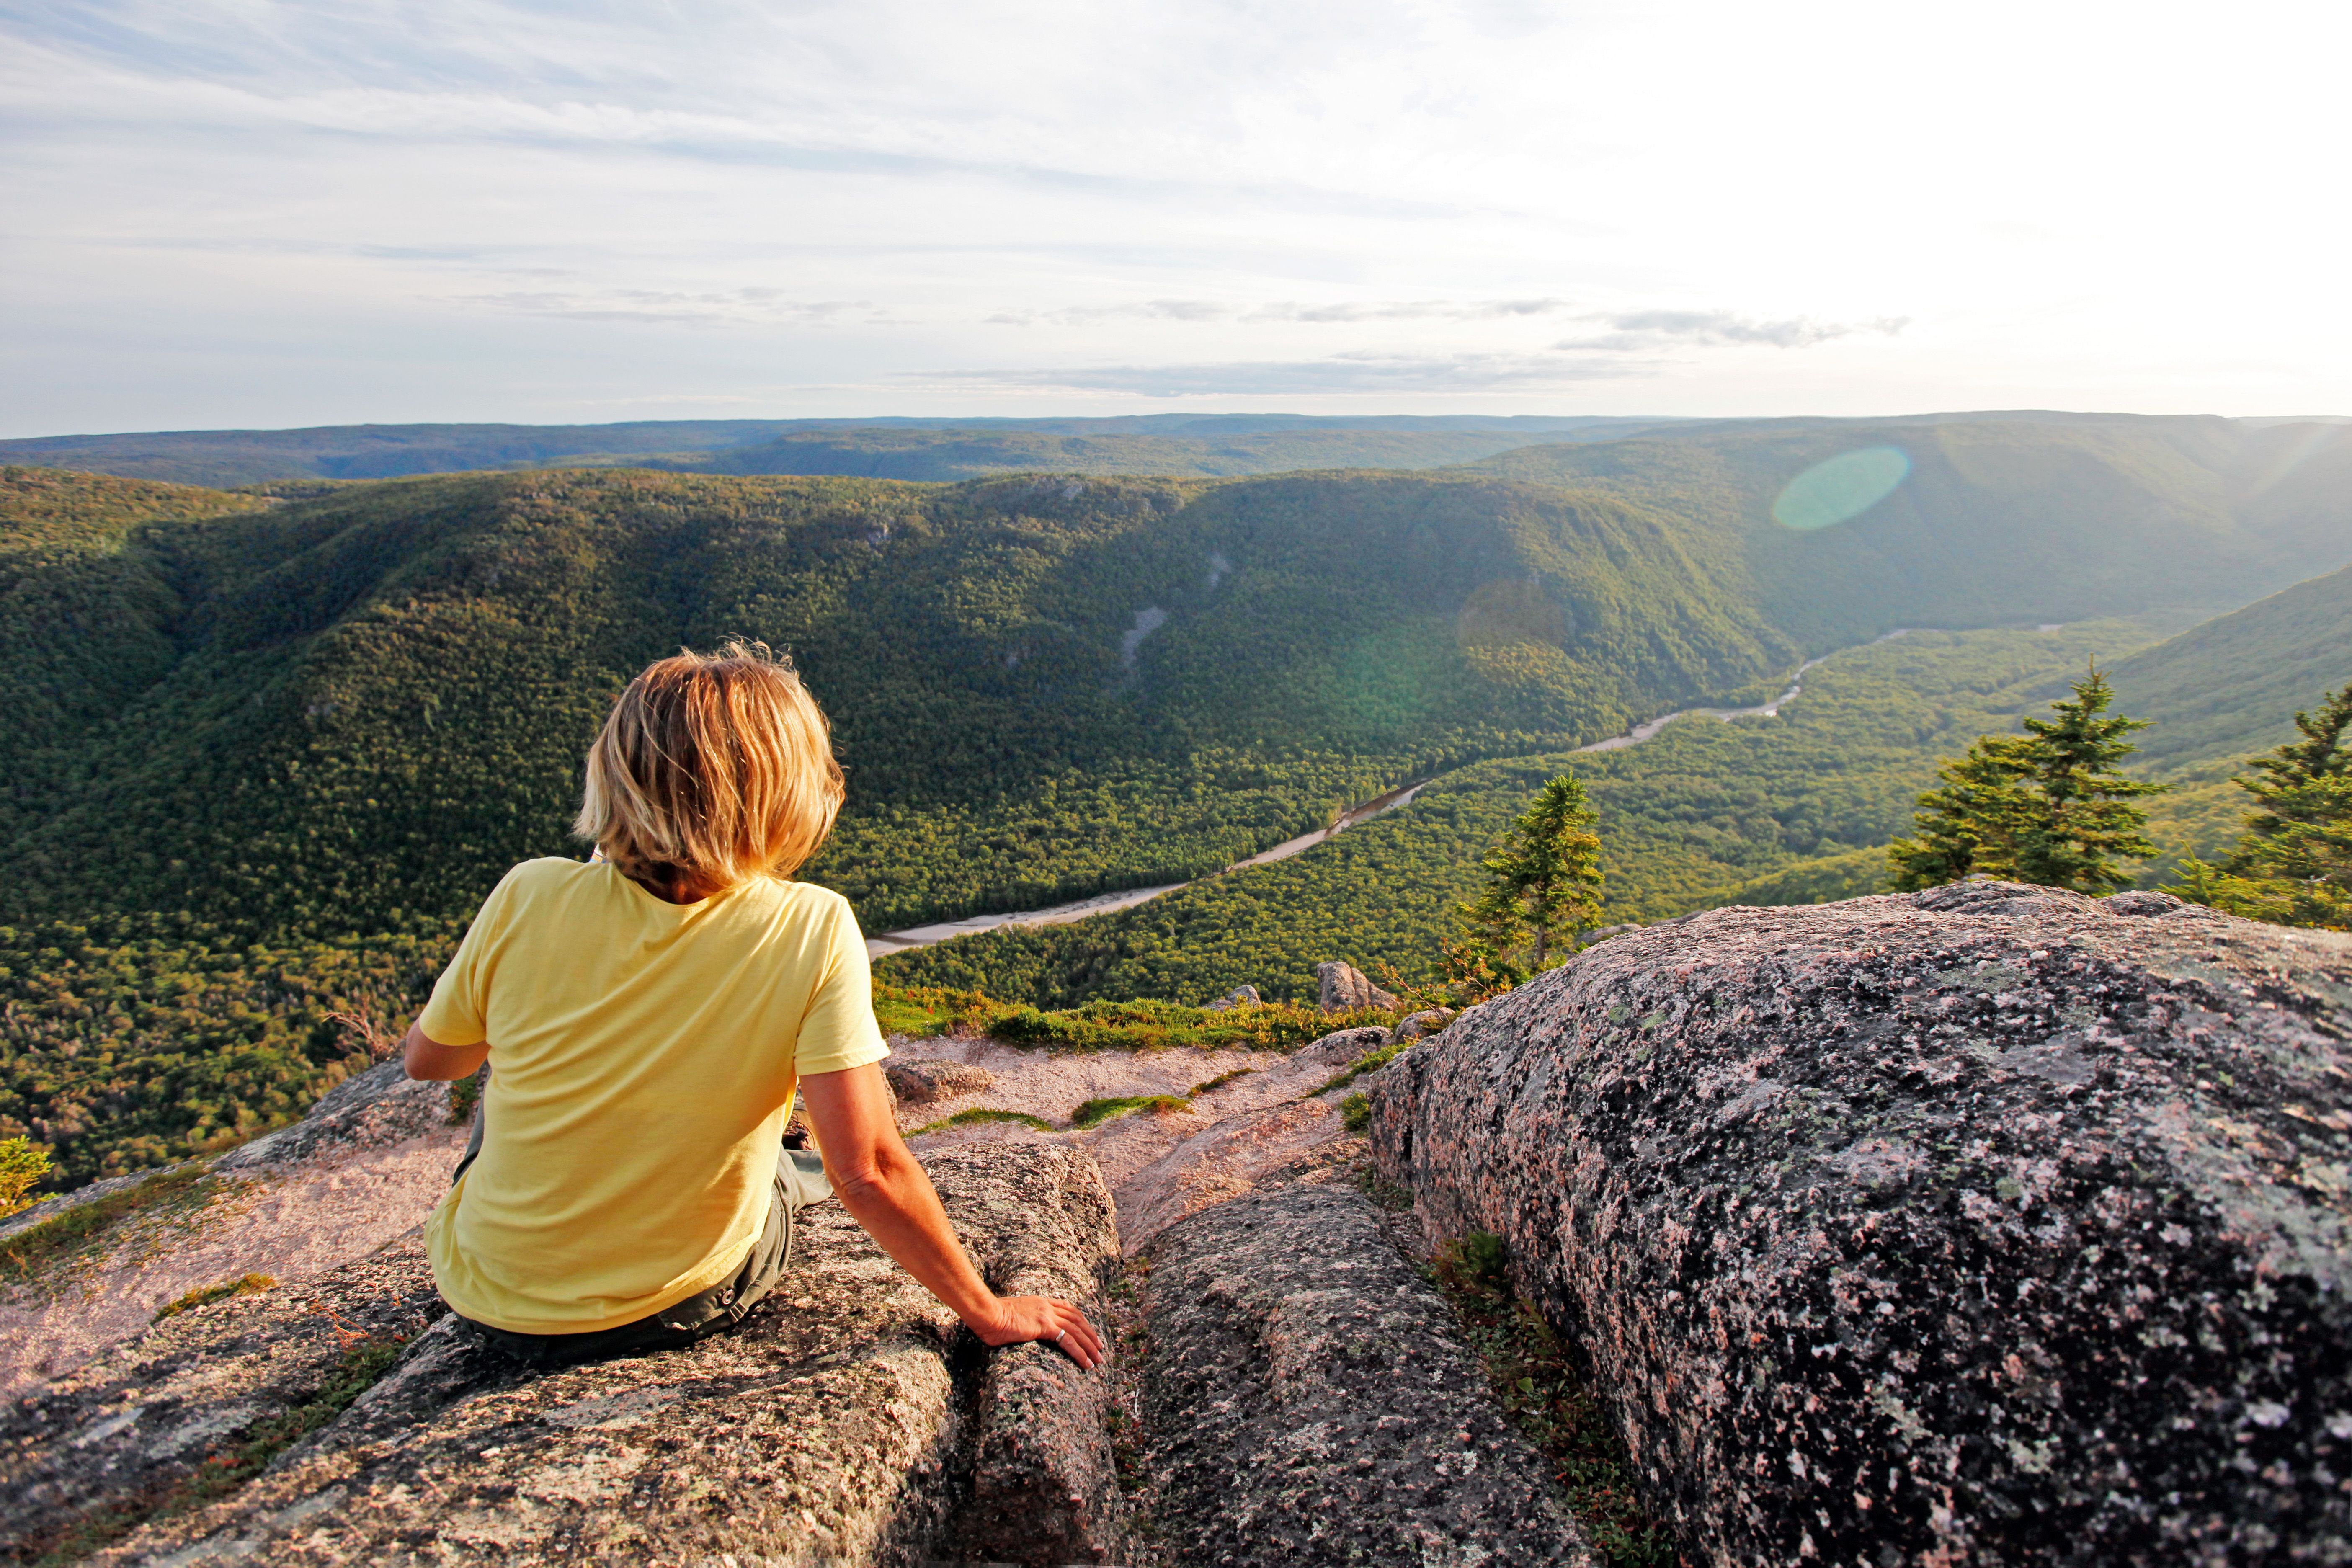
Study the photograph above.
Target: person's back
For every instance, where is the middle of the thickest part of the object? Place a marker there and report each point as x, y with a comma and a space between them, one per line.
647, 1053
647, 1017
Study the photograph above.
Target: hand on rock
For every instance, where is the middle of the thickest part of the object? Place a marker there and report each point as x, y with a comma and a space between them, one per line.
1060, 1324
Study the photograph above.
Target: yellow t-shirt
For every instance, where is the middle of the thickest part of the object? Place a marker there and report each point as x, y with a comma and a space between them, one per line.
643, 1056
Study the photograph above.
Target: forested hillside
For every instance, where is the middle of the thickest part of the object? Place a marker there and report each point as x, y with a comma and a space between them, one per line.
2230, 687
378, 699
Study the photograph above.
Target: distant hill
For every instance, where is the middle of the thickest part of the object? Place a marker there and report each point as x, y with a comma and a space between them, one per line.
1182, 444
898, 454
1994, 522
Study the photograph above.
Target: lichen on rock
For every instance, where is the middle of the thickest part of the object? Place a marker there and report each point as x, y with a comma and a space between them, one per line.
1993, 1224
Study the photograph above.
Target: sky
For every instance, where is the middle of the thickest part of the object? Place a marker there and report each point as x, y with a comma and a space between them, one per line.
250, 213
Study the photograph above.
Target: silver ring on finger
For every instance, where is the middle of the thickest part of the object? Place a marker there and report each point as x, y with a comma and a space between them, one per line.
1060, 1337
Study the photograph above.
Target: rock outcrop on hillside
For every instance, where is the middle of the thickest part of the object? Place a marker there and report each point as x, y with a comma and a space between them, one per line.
1311, 1403
847, 1419
1989, 1225
1344, 988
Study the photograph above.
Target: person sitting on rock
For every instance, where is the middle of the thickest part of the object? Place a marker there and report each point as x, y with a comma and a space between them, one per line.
646, 1017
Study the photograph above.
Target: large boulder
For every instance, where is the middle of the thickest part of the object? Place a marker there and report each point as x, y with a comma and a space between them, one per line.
1989, 1225
1310, 1403
848, 1420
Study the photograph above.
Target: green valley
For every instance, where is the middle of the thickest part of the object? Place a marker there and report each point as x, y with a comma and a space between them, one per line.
270, 747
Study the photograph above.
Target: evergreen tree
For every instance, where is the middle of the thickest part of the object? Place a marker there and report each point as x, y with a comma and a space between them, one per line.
2293, 864
2047, 806
1543, 879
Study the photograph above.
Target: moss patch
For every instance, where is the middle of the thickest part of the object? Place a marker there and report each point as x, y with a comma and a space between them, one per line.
36, 1248
1095, 1113
244, 1285
1545, 1394
984, 1113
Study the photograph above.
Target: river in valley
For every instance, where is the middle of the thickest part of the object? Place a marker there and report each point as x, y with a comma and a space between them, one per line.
886, 942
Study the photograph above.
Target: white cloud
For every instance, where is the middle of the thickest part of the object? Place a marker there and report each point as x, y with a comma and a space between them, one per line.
1645, 332
1345, 375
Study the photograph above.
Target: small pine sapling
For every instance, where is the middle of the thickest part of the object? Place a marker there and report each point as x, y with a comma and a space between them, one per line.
23, 1164
1543, 880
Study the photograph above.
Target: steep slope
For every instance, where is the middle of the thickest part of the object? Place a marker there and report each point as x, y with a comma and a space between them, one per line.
2232, 685
1986, 521
87, 614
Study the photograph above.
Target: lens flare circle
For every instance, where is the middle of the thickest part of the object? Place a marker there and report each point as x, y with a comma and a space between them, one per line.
1842, 487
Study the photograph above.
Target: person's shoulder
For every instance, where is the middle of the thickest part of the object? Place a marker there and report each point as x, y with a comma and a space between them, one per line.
807, 906
806, 899
549, 872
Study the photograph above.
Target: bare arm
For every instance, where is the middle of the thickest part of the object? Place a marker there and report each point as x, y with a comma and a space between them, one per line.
428, 1059
881, 1186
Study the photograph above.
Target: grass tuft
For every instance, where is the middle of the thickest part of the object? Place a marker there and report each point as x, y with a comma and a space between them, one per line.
1371, 1062
203, 1295
1095, 1113
984, 1113
1543, 1390
1219, 1081
1356, 1112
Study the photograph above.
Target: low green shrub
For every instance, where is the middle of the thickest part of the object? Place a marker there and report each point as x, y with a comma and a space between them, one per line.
984, 1113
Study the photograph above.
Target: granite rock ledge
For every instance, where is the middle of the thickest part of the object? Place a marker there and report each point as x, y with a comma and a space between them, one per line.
1989, 1225
849, 1420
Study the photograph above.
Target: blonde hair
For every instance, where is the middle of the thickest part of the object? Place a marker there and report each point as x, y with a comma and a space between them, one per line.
712, 769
